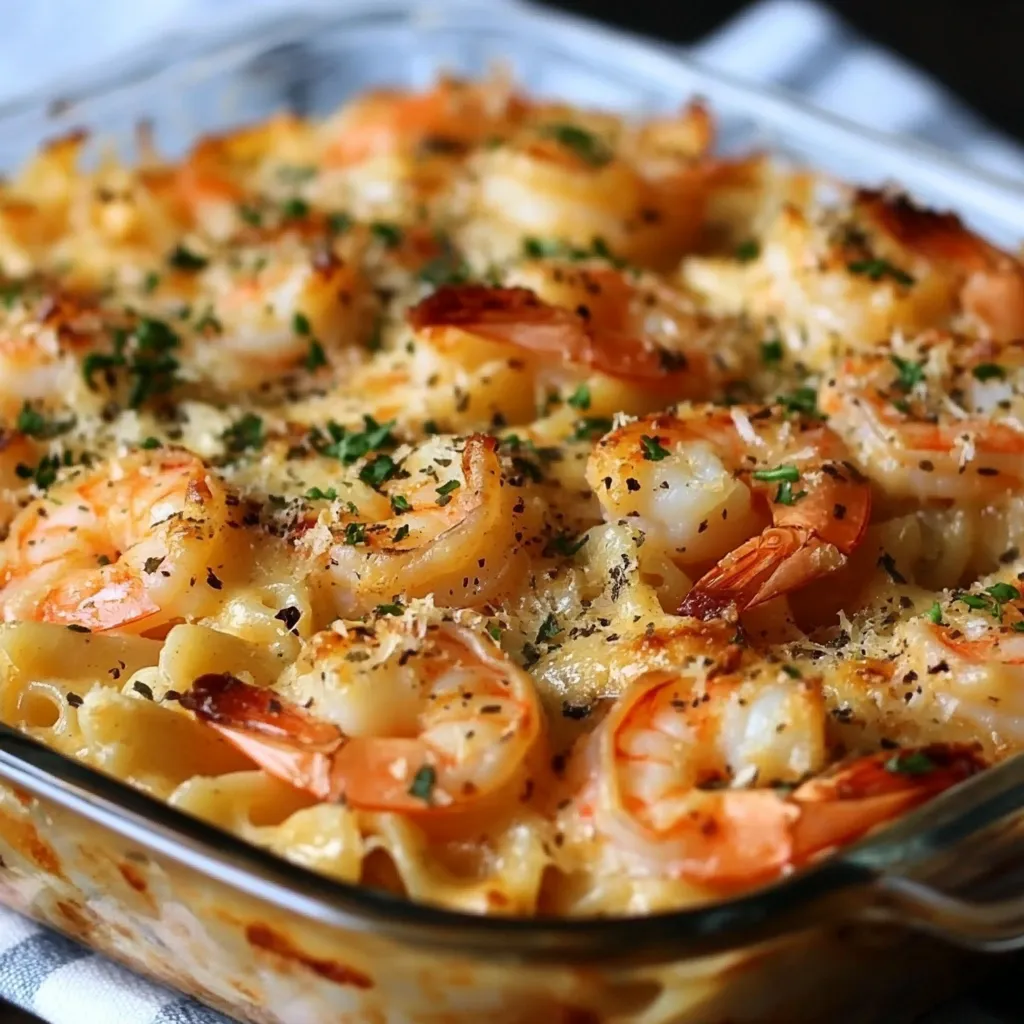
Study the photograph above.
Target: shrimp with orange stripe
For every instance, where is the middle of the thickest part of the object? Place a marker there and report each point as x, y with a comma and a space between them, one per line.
934, 419
699, 774
441, 522
431, 720
635, 343
134, 542
769, 500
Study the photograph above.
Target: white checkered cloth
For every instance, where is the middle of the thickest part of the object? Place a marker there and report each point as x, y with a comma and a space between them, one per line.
794, 43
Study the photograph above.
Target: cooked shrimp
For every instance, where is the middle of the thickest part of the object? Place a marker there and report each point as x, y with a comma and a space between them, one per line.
700, 482
44, 336
270, 311
429, 722
135, 541
939, 418
851, 277
990, 282
961, 664
629, 362
671, 775
581, 177
445, 526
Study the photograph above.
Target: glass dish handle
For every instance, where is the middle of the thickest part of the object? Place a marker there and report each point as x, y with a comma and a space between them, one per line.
974, 833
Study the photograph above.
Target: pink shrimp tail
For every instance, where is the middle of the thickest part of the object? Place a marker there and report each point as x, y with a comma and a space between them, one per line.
779, 560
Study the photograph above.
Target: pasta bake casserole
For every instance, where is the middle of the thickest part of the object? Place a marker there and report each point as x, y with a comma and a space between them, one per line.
505, 504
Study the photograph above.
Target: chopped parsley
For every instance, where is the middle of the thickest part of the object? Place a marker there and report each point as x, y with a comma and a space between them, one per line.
33, 423
989, 371
423, 783
150, 443
145, 354
587, 146
802, 401
494, 630
748, 250
652, 449
151, 282
792, 671
580, 398
315, 358
300, 323
244, 434
390, 235
350, 446
380, 469
876, 269
250, 215
445, 491
43, 474
400, 504
915, 763
909, 373
935, 613
182, 258
355, 533
317, 494
390, 609
772, 351
555, 248
591, 427
294, 208
785, 472
400, 534
549, 629
992, 600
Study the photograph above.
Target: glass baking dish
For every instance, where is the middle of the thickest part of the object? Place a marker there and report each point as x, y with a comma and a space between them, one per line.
874, 933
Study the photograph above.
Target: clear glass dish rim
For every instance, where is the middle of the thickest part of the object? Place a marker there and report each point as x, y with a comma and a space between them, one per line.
799, 900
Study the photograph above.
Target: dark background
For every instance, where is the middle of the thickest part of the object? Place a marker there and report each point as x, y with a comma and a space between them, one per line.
974, 47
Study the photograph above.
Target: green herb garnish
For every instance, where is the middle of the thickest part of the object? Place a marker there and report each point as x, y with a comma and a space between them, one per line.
244, 434
587, 146
876, 269
653, 450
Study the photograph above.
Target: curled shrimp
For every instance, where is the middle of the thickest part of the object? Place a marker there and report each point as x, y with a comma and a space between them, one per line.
583, 177
425, 725
293, 311
851, 276
960, 666
135, 541
46, 334
450, 536
672, 770
990, 282
701, 481
553, 334
940, 418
